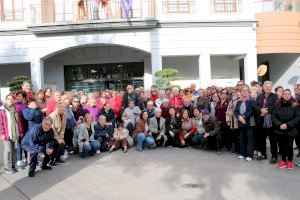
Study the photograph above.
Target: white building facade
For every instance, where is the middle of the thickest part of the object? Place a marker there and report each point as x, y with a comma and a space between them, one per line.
209, 42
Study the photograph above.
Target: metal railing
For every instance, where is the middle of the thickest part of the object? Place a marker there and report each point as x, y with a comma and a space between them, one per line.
226, 6
12, 14
88, 11
178, 6
277, 5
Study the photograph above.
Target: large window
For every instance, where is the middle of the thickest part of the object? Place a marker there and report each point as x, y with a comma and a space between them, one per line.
178, 6
11, 10
226, 6
96, 77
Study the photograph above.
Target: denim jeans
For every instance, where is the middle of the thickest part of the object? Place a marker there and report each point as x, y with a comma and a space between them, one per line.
144, 141
19, 149
246, 141
198, 138
92, 147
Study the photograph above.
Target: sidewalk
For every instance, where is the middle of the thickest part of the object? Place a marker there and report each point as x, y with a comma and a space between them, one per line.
164, 173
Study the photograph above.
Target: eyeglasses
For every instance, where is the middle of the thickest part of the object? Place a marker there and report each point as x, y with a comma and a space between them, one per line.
75, 101
189, 91
224, 93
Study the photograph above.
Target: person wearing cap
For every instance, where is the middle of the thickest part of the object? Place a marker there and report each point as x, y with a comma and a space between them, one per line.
211, 128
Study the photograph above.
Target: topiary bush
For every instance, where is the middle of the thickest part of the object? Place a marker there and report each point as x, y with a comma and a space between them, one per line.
166, 76
15, 83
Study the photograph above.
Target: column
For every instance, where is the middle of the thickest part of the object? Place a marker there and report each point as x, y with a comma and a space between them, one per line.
37, 74
250, 66
156, 65
147, 73
204, 70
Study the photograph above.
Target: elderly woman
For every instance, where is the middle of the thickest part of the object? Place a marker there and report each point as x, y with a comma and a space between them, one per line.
9, 133
59, 117
157, 128
71, 121
86, 142
175, 99
232, 121
286, 117
161, 97
121, 139
244, 113
142, 135
165, 108
188, 129
130, 116
92, 108
213, 102
173, 127
264, 106
103, 133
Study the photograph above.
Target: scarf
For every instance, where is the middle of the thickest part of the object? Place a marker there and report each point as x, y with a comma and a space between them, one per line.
13, 133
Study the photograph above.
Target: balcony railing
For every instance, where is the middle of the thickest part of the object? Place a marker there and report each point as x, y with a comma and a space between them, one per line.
12, 15
178, 6
226, 6
278, 5
88, 11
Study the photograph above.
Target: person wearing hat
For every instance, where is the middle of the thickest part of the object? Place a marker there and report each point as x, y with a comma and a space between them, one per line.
210, 125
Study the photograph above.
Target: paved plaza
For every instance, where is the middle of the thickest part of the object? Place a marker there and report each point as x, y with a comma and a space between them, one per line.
164, 173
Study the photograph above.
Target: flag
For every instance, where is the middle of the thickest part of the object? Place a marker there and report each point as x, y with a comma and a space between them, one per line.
126, 8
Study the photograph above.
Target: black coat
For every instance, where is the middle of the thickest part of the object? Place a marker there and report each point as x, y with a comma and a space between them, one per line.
286, 113
110, 116
271, 102
176, 126
128, 97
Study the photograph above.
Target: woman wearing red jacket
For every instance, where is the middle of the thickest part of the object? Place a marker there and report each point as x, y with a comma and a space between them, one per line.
188, 129
175, 99
116, 104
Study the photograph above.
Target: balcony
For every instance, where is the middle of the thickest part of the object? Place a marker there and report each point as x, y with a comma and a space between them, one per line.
70, 11
277, 6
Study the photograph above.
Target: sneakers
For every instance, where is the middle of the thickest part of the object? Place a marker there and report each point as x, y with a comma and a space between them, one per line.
20, 163
248, 159
281, 165
241, 157
40, 157
289, 165
297, 163
273, 161
98, 152
10, 170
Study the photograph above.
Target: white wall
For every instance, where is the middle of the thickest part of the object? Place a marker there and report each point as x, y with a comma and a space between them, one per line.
284, 69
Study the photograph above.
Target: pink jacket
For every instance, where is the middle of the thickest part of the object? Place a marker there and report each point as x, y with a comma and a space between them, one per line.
3, 123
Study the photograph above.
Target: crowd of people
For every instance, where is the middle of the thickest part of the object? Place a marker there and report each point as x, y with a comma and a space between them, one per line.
45, 128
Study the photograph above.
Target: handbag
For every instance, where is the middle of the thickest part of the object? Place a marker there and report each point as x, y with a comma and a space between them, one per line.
267, 121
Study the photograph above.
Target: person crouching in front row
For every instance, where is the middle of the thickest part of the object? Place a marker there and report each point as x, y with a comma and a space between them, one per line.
39, 142
121, 139
188, 130
157, 128
86, 141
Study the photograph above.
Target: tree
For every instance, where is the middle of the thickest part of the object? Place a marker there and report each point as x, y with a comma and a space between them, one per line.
15, 83
166, 76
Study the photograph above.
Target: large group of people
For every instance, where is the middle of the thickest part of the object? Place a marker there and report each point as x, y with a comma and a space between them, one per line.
45, 128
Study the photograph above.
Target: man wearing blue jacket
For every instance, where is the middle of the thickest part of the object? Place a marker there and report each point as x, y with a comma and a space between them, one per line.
39, 142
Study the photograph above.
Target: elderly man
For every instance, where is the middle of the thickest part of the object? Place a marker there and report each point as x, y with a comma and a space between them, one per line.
157, 128
39, 143
193, 90
27, 87
150, 108
264, 106
130, 95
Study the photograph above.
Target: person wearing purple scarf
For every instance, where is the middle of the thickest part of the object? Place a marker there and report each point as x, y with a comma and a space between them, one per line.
20, 105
